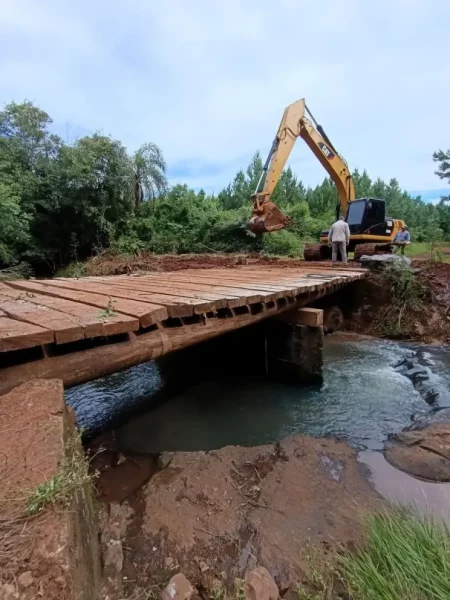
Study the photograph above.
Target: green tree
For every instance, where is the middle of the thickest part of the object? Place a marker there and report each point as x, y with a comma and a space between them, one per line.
149, 173
14, 227
443, 160
239, 192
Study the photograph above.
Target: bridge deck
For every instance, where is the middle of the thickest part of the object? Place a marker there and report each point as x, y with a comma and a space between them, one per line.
52, 319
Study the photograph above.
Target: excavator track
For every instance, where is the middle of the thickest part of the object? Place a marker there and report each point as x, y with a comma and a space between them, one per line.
371, 250
316, 252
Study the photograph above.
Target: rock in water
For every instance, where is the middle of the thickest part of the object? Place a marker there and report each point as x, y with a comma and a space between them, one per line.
417, 373
422, 453
259, 585
178, 588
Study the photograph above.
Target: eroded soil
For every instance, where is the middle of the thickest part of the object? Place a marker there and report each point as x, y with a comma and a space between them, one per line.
111, 264
215, 515
429, 323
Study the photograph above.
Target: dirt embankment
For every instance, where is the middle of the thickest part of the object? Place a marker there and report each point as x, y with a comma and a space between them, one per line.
215, 515
111, 264
48, 549
427, 321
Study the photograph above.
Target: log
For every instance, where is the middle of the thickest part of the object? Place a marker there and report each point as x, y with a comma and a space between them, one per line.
86, 365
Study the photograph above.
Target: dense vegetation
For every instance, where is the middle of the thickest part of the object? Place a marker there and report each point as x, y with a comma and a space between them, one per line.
60, 202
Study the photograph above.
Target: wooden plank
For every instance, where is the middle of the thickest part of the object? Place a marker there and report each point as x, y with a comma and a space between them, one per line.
177, 306
231, 280
290, 282
245, 287
300, 281
146, 312
16, 335
230, 297
64, 327
93, 363
311, 317
95, 323
283, 289
164, 287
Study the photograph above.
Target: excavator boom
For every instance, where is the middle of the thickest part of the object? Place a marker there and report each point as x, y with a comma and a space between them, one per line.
266, 216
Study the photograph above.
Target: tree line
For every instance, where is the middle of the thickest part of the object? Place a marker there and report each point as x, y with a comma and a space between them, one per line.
61, 203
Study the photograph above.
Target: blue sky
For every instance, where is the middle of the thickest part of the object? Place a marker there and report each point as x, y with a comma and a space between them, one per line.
208, 80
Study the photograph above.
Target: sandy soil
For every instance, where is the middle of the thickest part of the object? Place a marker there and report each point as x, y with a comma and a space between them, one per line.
214, 515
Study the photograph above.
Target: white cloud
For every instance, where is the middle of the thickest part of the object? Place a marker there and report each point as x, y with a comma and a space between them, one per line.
208, 81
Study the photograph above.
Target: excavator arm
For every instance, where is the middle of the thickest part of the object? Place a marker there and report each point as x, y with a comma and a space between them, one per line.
266, 216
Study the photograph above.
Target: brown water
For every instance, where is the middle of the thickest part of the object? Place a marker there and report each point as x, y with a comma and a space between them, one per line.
400, 488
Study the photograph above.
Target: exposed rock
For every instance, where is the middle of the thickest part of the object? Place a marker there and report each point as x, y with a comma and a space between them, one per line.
178, 588
114, 555
436, 415
203, 566
61, 581
416, 374
422, 453
431, 396
405, 361
164, 460
169, 562
259, 585
384, 259
119, 516
7, 591
25, 580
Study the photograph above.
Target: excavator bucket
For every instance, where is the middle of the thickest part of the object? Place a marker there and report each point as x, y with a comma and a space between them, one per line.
267, 217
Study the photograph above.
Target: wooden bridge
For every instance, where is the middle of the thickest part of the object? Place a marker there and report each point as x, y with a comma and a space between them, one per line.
80, 329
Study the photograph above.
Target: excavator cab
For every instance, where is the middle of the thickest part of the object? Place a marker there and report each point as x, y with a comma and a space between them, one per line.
367, 216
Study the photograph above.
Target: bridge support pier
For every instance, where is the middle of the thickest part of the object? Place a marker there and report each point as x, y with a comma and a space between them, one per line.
294, 352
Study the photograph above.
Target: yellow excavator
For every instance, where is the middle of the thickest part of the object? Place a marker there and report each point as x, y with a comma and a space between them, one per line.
371, 232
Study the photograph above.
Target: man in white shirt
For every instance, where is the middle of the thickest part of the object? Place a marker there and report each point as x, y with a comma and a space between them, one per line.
339, 238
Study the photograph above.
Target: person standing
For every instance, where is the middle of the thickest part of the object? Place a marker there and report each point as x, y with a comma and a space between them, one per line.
403, 237
339, 238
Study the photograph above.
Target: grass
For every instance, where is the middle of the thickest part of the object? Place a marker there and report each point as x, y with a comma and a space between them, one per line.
73, 473
407, 294
418, 249
431, 250
75, 270
108, 311
406, 557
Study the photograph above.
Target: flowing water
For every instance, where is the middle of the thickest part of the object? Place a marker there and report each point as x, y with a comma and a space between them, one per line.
363, 400
184, 404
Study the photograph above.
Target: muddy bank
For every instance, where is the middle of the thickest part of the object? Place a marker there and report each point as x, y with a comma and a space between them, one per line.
215, 515
427, 322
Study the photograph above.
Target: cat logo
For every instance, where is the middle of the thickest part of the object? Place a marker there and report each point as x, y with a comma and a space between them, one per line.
326, 150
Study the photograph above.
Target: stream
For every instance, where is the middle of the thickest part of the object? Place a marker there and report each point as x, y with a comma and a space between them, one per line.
364, 399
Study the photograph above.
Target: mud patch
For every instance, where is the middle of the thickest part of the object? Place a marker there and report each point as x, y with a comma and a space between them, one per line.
215, 515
